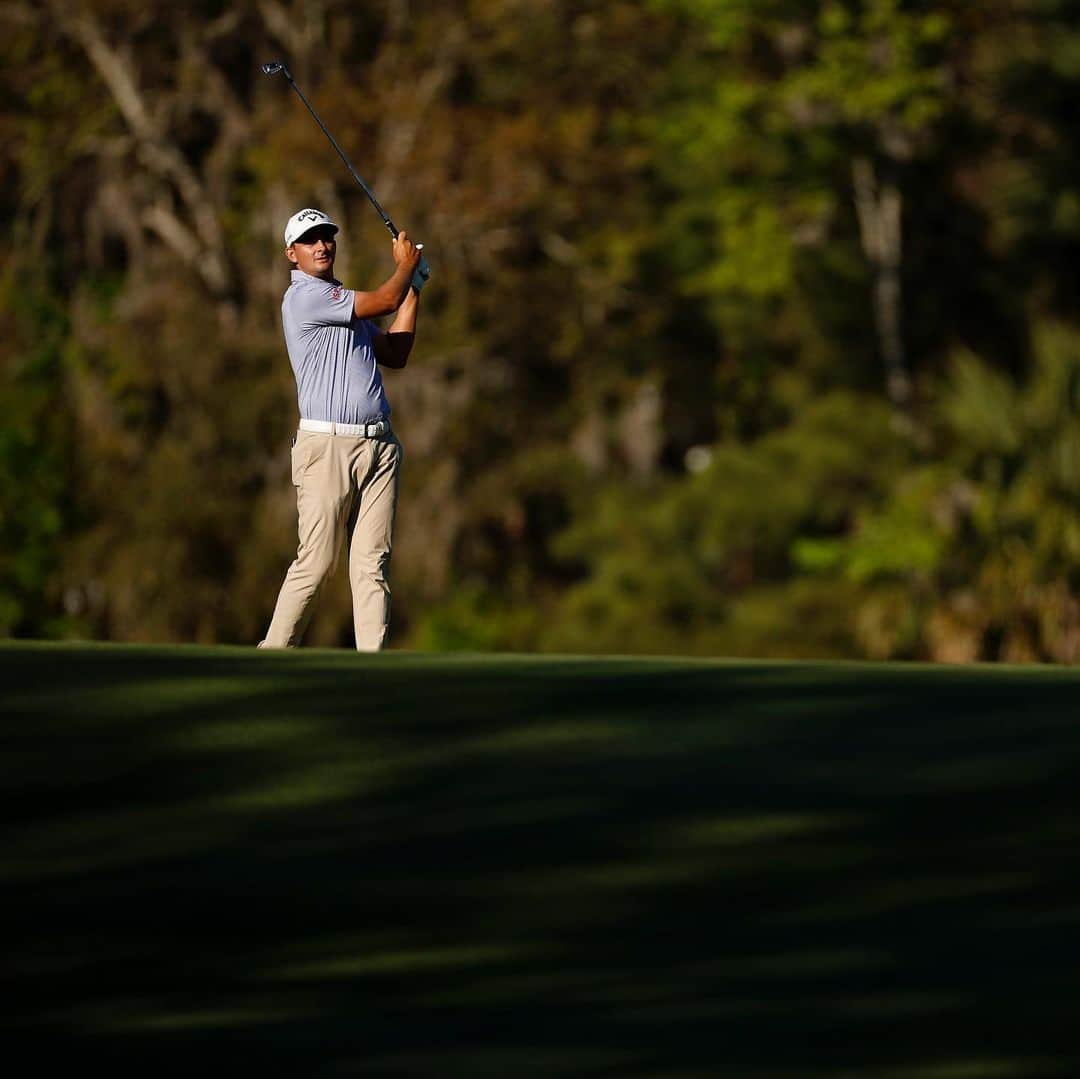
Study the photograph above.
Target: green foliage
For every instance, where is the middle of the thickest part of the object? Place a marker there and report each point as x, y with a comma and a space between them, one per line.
36, 507
706, 553
990, 535
476, 619
878, 61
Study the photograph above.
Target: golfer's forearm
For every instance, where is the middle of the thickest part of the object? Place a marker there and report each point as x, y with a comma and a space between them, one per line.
398, 340
405, 320
387, 298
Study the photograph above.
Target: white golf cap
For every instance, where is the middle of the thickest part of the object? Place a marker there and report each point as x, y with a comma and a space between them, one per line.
302, 221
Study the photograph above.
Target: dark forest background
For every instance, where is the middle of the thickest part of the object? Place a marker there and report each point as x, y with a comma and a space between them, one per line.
752, 330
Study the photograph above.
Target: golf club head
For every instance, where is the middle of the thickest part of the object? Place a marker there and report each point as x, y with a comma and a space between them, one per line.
273, 67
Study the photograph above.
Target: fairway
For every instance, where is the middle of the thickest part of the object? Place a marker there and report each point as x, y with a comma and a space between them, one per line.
320, 863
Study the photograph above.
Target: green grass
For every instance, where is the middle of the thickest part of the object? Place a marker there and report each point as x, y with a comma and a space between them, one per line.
326, 864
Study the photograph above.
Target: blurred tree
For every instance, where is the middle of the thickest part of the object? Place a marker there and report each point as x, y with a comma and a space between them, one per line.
801, 143
704, 564
977, 554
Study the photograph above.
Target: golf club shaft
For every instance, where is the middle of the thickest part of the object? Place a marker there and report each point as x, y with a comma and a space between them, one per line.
341, 153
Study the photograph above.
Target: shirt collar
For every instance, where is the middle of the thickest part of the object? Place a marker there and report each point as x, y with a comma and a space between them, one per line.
299, 275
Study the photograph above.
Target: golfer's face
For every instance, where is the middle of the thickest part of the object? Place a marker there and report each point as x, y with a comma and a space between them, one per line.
314, 252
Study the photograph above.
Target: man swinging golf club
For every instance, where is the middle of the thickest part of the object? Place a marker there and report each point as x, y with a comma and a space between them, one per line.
345, 457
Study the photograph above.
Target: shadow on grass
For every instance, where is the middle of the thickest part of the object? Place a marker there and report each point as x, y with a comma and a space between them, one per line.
496, 866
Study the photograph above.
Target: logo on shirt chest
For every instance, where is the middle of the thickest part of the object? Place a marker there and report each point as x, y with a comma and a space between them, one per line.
335, 294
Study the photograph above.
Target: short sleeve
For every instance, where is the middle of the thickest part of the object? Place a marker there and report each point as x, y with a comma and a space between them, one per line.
324, 304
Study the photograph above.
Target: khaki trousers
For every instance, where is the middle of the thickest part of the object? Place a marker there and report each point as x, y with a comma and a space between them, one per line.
346, 488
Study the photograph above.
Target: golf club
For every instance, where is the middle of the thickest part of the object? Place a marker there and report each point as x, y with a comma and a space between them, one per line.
276, 66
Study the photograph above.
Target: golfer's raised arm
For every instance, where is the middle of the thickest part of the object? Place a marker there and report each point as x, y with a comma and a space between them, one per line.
387, 298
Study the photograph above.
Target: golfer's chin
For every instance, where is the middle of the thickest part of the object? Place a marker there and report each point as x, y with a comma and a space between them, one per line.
324, 269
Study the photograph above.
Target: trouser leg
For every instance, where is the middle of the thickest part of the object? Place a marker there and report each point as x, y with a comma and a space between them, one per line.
322, 503
369, 546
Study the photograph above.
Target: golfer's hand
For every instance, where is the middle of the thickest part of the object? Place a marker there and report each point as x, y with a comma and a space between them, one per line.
406, 253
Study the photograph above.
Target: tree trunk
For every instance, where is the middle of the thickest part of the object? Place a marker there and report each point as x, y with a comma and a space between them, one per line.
878, 203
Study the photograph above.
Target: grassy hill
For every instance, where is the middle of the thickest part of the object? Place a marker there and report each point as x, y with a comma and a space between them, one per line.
320, 863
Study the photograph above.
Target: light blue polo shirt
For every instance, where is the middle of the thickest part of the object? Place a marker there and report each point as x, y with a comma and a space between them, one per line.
331, 353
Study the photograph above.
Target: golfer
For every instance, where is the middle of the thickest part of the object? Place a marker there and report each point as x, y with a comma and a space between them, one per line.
345, 458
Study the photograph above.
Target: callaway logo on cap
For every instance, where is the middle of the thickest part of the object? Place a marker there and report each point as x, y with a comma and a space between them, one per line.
304, 220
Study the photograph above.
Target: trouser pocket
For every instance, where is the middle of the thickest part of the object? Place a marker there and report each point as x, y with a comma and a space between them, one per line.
300, 455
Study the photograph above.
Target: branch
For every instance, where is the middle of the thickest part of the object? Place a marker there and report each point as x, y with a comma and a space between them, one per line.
152, 148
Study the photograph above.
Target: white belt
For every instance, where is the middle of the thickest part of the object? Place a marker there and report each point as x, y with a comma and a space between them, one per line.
361, 430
